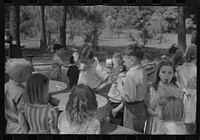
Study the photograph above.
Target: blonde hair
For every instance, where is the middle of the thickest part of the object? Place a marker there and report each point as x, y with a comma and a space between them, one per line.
172, 109
14, 66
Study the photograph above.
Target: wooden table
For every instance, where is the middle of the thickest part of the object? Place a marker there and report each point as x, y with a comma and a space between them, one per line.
54, 86
109, 128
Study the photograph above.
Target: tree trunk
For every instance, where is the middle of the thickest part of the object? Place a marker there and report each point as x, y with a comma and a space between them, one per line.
63, 27
14, 30
181, 29
43, 42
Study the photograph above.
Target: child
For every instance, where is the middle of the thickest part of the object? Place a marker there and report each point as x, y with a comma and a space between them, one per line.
172, 116
73, 72
38, 117
117, 89
57, 63
92, 74
135, 88
18, 71
187, 81
164, 85
79, 115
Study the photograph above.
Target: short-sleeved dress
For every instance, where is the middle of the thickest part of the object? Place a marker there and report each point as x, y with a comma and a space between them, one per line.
153, 122
41, 118
13, 93
89, 127
55, 72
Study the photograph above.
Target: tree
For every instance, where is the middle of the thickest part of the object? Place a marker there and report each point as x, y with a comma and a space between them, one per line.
63, 27
181, 29
43, 43
14, 29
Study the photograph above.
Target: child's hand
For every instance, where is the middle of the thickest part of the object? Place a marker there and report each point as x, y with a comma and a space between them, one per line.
114, 112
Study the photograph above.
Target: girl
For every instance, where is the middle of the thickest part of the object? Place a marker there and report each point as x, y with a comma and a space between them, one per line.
172, 116
79, 115
38, 117
163, 85
117, 89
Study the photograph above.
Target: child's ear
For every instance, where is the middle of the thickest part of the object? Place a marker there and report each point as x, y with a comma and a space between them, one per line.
20, 74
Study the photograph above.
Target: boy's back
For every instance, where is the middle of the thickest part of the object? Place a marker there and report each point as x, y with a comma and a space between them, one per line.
13, 101
55, 72
73, 74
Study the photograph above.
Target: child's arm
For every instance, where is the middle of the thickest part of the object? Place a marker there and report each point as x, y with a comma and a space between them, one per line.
60, 62
117, 109
152, 112
23, 123
53, 114
107, 82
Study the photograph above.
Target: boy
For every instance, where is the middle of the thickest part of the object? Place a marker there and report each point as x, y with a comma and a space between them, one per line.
57, 63
18, 70
73, 72
135, 88
93, 74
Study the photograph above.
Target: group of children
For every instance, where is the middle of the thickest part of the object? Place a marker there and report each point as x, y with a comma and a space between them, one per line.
149, 109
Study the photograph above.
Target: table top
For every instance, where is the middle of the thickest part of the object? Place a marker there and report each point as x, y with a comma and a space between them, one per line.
54, 86
63, 97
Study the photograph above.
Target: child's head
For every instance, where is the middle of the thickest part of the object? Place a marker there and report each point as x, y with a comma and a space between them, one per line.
172, 108
58, 49
18, 69
76, 56
37, 87
165, 73
178, 59
71, 60
117, 61
87, 56
82, 104
132, 56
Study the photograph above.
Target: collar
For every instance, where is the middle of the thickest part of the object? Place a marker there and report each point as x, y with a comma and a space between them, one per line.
16, 83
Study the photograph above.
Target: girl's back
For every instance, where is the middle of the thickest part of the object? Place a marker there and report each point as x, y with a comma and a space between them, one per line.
40, 118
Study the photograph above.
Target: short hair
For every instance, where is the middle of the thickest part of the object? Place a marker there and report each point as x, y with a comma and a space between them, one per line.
71, 60
178, 59
16, 65
119, 58
172, 109
191, 53
156, 74
57, 47
134, 50
87, 53
194, 37
81, 105
35, 86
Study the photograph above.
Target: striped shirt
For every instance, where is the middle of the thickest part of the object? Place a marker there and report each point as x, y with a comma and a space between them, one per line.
41, 118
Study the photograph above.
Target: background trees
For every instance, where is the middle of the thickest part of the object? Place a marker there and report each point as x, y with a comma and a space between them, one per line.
63, 24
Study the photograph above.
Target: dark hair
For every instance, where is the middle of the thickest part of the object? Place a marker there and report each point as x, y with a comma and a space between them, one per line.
71, 60
194, 37
178, 59
87, 53
81, 105
57, 47
156, 74
172, 109
119, 58
134, 50
35, 86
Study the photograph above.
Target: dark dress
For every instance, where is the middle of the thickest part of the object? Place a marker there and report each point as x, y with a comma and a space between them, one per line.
73, 74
